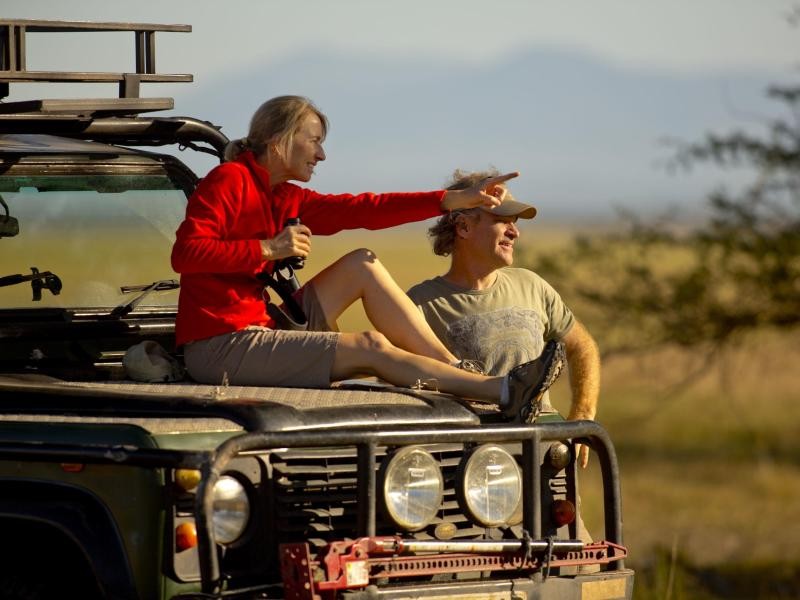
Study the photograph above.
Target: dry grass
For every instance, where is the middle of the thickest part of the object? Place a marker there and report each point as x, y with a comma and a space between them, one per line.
715, 467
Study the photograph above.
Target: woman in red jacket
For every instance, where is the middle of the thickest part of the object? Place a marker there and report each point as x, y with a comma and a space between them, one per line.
234, 229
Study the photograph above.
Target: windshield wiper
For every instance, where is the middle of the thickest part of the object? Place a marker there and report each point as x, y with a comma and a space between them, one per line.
39, 281
157, 286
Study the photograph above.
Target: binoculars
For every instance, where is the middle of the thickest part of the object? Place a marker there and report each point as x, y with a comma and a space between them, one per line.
295, 262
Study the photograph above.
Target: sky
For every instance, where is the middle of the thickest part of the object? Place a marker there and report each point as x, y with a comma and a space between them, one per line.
581, 97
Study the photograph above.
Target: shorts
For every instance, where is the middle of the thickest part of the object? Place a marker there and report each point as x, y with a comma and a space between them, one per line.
261, 356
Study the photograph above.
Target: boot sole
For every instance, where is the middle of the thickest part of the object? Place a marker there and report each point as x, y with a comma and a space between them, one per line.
554, 369
555, 365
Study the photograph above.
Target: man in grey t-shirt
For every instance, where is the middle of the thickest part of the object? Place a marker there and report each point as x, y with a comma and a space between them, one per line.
484, 310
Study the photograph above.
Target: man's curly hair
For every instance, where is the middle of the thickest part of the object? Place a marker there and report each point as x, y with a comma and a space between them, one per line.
443, 233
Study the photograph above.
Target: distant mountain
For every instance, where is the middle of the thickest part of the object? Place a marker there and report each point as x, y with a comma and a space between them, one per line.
586, 135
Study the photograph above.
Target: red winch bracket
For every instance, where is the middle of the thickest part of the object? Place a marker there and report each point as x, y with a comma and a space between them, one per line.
354, 563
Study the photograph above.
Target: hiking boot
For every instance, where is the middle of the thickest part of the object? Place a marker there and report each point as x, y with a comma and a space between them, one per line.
526, 383
470, 366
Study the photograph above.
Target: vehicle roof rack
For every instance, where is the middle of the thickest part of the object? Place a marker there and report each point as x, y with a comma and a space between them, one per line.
13, 68
108, 120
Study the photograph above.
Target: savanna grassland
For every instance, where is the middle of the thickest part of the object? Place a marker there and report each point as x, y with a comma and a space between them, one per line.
710, 467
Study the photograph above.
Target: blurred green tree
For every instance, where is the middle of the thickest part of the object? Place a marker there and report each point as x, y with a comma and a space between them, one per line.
659, 282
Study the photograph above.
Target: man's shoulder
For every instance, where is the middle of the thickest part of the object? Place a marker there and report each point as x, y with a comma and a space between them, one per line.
425, 291
514, 278
520, 274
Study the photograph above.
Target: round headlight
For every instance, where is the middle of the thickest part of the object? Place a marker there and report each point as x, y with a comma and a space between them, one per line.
492, 486
231, 509
412, 488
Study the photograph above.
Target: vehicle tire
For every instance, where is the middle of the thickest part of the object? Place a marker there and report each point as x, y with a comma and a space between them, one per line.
41, 563
16, 587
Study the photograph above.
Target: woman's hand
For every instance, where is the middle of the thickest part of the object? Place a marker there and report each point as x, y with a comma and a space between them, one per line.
488, 192
294, 240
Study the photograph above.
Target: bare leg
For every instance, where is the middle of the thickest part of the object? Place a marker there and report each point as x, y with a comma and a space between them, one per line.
370, 352
360, 274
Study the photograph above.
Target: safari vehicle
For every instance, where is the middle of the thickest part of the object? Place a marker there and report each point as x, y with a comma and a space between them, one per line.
111, 487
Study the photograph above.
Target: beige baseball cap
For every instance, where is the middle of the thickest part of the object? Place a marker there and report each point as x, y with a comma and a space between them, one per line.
510, 207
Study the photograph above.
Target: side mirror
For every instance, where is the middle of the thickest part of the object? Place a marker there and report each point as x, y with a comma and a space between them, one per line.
9, 226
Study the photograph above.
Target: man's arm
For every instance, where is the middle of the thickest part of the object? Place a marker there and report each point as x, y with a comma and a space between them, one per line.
583, 359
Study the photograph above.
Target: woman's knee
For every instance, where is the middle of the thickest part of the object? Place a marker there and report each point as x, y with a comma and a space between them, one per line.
374, 341
353, 267
361, 353
360, 259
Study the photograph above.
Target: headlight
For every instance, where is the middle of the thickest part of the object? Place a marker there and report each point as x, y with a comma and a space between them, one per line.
412, 488
492, 486
231, 509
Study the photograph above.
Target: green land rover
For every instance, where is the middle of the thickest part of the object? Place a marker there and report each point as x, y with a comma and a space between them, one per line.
112, 487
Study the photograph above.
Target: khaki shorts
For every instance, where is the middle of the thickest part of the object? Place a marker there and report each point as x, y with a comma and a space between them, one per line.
268, 357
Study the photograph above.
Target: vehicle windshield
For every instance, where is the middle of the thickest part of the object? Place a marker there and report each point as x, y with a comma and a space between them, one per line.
94, 233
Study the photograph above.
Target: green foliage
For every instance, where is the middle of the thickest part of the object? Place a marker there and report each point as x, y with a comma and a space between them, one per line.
658, 283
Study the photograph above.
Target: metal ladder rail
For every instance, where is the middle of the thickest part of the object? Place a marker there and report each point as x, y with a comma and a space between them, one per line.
13, 68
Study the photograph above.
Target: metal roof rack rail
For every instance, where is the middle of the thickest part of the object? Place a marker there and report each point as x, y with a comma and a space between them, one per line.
13, 33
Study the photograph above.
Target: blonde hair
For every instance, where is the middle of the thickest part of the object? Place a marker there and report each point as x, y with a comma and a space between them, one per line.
276, 120
443, 233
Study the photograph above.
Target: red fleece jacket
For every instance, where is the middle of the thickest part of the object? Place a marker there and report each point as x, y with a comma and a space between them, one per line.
217, 249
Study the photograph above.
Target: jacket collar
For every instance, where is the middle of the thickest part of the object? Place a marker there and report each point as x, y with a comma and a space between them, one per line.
259, 173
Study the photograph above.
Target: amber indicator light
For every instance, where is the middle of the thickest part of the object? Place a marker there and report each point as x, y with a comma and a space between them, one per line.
185, 536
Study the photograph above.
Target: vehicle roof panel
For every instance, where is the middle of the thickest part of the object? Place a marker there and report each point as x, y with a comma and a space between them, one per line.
16, 143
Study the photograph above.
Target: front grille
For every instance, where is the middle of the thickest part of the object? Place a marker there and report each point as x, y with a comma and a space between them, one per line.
316, 495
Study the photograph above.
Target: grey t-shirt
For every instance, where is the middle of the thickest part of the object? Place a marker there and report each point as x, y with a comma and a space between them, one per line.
502, 326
